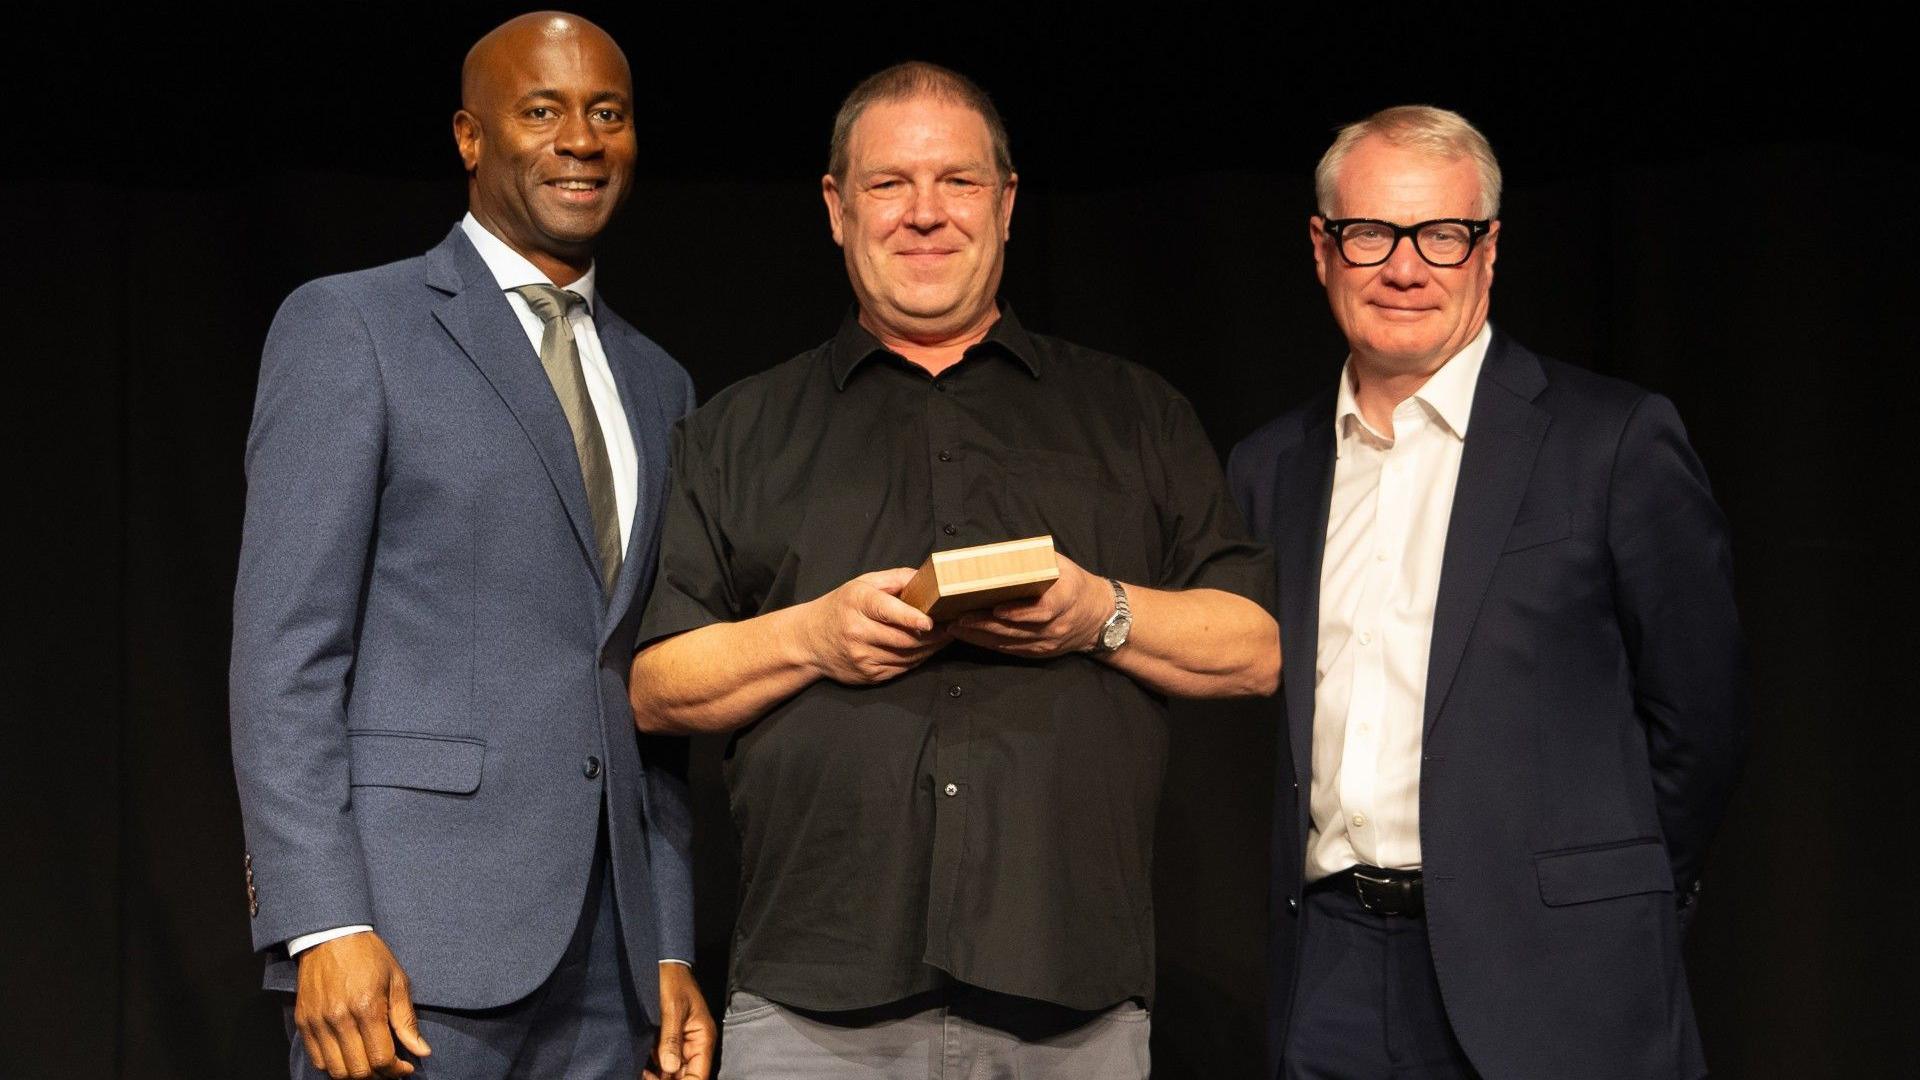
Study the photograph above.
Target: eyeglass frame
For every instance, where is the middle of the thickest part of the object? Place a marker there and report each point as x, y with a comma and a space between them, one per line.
1476, 228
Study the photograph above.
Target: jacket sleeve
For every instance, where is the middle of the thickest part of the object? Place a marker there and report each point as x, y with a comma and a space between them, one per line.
313, 463
1673, 594
670, 814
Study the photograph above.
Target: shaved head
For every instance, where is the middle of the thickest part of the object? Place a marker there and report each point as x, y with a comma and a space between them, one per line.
507, 43
545, 131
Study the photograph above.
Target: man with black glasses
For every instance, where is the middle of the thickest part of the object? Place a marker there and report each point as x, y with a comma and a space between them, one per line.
1514, 675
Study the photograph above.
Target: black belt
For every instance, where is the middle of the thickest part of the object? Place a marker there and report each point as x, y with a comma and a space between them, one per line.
1379, 890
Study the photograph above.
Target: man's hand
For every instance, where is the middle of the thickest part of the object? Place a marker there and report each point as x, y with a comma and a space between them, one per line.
1066, 618
351, 992
685, 1051
863, 633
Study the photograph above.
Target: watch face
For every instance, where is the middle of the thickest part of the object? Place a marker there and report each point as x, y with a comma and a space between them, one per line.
1115, 634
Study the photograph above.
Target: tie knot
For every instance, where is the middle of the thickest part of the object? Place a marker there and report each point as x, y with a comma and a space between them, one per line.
549, 302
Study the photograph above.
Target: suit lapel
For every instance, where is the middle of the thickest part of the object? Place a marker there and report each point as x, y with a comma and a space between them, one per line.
642, 404
1503, 438
1304, 481
480, 321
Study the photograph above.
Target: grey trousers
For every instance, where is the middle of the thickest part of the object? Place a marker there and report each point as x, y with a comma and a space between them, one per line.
967, 1034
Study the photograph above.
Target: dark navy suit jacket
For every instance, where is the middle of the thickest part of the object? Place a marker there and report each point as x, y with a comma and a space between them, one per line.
1586, 715
424, 658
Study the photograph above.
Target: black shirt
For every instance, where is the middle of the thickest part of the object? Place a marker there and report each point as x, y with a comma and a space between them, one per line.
983, 816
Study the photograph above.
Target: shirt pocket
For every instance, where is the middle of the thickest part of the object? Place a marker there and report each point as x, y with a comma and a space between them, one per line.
415, 760
1100, 520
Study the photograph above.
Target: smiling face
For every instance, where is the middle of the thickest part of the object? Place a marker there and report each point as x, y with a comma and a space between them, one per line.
1405, 317
922, 216
546, 135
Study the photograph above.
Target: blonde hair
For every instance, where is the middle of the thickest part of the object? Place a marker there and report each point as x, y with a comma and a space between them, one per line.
1440, 132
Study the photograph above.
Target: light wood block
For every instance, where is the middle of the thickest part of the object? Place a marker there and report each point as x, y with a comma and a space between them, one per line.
971, 578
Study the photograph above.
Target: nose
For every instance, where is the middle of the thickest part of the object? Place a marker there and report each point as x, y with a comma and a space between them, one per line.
1404, 267
577, 137
928, 210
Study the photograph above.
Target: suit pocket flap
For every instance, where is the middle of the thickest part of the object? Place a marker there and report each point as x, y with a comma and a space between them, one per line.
424, 762
1575, 877
1536, 531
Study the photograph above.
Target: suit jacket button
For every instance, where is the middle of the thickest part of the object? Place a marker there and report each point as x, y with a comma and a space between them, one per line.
592, 768
1293, 906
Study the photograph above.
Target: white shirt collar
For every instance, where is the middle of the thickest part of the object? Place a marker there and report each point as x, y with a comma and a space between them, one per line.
511, 269
1448, 392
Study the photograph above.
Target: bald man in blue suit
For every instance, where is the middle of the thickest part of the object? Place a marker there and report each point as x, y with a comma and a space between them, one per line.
462, 858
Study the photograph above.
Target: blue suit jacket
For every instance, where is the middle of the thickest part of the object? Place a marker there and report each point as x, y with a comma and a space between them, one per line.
1586, 715
424, 659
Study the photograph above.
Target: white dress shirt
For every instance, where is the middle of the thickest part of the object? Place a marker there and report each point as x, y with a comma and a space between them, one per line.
1386, 531
512, 270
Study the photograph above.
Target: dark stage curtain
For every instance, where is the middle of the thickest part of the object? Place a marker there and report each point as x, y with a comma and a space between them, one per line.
1732, 280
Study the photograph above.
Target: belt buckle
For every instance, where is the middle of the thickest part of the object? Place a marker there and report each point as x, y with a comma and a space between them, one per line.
1377, 903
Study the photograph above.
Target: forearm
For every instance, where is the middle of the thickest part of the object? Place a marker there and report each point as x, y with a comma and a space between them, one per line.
1199, 643
723, 676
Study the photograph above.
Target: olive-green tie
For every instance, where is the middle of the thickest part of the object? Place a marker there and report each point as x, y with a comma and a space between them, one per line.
561, 357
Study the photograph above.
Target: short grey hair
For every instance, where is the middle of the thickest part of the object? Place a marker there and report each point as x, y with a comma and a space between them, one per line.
1440, 132
904, 82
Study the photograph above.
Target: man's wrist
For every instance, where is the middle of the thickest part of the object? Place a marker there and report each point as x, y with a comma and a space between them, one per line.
797, 633
298, 945
1119, 620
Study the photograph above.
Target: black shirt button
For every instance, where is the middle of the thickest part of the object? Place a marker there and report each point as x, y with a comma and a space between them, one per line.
592, 768
949, 528
1293, 906
940, 386
945, 456
953, 691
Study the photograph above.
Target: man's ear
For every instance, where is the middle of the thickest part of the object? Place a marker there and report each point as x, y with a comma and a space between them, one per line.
830, 192
466, 137
1007, 191
1317, 233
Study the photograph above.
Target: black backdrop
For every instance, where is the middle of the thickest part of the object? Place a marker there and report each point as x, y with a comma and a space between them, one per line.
1716, 207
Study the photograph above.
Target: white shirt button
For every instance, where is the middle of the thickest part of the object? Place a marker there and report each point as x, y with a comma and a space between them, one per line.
1366, 637
953, 789
1379, 556
1359, 821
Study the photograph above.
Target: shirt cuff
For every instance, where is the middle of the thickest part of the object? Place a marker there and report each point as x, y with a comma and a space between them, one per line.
682, 963
298, 945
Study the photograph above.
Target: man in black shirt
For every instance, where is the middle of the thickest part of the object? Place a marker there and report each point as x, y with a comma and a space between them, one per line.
946, 830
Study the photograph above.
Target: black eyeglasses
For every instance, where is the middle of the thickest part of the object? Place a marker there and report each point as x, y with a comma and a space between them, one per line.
1370, 242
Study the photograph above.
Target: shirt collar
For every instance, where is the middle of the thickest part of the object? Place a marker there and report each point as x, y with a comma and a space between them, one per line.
511, 269
855, 345
1448, 393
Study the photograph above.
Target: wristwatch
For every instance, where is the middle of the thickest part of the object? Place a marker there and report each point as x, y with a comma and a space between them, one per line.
1114, 633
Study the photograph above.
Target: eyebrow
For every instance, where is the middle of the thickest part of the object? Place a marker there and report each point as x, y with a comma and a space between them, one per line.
615, 96
963, 167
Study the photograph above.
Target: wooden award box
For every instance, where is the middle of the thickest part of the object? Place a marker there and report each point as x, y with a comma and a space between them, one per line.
971, 578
